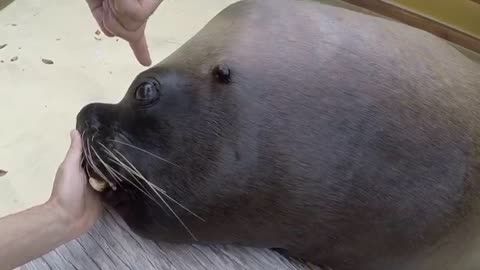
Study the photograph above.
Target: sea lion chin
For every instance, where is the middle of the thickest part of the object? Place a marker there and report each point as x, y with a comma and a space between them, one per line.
347, 140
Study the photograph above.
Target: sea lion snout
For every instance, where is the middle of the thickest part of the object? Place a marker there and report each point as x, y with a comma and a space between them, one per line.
94, 116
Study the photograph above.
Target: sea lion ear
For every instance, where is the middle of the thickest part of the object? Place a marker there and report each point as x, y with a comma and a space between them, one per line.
222, 73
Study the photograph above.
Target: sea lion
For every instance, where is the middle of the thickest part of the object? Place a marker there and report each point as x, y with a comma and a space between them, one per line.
347, 140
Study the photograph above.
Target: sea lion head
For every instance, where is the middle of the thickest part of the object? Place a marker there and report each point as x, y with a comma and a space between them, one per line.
161, 144
164, 136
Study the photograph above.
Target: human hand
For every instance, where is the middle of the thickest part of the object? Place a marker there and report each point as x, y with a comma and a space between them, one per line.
77, 202
126, 19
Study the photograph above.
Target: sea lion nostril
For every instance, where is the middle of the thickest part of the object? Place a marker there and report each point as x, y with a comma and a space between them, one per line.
92, 124
222, 73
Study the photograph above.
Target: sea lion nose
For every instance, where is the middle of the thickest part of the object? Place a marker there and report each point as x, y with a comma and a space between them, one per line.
91, 116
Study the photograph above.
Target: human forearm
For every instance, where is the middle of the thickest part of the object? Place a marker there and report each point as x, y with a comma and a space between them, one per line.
72, 209
31, 233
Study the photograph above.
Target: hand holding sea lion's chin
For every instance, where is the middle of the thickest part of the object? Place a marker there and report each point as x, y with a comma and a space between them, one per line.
347, 140
72, 197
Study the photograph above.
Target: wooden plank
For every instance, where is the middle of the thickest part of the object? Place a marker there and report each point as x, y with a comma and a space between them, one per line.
111, 245
419, 21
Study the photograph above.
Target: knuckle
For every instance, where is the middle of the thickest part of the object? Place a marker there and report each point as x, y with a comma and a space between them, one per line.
133, 27
110, 24
139, 16
132, 14
122, 9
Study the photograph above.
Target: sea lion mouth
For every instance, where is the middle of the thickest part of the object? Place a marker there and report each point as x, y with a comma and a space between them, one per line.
94, 165
108, 168
96, 181
118, 169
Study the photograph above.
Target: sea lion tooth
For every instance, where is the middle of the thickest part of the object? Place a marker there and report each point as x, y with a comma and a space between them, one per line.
98, 185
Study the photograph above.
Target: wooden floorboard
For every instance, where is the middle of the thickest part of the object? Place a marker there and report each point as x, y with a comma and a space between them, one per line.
111, 245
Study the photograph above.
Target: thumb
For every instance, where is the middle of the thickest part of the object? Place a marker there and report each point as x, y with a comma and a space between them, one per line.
74, 153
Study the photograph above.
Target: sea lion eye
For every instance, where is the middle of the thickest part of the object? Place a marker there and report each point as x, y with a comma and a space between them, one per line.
147, 91
222, 73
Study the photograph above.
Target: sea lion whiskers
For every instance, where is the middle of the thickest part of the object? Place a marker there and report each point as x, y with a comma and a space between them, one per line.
145, 151
134, 171
96, 169
91, 163
179, 204
96, 184
117, 161
140, 189
84, 149
156, 189
134, 174
157, 192
118, 174
107, 167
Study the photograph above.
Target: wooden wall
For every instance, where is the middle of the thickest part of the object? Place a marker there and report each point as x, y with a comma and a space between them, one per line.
457, 21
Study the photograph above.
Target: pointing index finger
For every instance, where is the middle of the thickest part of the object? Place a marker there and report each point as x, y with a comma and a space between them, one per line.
140, 49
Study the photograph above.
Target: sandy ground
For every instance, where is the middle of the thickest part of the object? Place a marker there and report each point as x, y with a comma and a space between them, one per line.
39, 102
